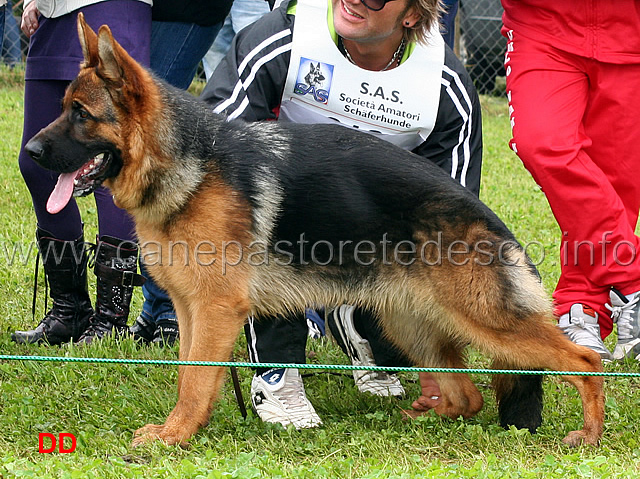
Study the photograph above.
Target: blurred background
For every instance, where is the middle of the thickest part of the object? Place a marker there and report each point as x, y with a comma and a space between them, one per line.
478, 42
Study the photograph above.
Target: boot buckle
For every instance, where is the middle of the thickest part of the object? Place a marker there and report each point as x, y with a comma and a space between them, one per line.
131, 278
128, 278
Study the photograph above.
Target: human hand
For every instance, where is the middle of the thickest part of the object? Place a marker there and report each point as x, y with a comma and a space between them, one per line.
29, 23
430, 396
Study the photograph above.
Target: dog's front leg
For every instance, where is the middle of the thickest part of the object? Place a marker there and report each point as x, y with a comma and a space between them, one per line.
214, 330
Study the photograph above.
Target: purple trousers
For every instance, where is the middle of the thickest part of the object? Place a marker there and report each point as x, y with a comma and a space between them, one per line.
53, 61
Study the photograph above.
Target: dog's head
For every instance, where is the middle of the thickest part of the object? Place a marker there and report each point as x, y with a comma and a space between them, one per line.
315, 76
95, 134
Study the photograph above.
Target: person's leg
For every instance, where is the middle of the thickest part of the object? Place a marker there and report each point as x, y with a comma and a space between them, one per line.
277, 339
65, 267
246, 12
60, 237
177, 48
219, 47
609, 121
549, 97
157, 322
359, 335
42, 105
243, 13
278, 395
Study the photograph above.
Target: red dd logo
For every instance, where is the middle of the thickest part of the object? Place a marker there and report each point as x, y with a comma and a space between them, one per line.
47, 439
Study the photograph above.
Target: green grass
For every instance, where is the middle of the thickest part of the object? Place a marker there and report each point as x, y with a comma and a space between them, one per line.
362, 436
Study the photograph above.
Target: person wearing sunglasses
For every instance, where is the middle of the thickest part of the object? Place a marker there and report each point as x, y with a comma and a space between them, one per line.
380, 66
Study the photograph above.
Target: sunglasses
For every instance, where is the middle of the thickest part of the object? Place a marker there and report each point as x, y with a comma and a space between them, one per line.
375, 5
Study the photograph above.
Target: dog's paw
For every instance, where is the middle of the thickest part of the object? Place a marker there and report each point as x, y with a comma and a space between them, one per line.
578, 438
155, 432
147, 434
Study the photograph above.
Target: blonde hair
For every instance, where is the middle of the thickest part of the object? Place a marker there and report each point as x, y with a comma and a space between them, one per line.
429, 12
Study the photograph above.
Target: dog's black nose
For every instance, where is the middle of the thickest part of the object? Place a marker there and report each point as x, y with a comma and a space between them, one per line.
35, 149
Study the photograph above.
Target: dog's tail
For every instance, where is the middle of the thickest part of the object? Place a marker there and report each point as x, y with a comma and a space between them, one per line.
519, 400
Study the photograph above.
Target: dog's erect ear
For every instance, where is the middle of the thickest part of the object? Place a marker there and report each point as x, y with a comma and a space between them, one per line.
109, 55
88, 42
115, 64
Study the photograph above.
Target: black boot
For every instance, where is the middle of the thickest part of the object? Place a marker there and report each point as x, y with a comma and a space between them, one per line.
65, 266
115, 268
142, 330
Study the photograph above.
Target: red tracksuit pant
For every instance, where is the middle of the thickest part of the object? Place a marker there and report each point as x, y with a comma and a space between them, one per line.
576, 127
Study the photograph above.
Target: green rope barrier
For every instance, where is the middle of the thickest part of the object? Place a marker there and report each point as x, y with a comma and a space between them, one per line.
340, 367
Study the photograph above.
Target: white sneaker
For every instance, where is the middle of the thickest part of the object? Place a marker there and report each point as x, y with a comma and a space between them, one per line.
624, 312
581, 325
278, 396
359, 351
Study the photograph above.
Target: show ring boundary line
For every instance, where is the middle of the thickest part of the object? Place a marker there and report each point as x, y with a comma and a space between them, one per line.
339, 367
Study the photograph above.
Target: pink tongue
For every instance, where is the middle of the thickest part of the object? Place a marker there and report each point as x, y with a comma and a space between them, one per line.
61, 193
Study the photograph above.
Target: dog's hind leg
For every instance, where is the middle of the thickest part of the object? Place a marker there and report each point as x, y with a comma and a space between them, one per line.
214, 330
537, 343
519, 399
564, 355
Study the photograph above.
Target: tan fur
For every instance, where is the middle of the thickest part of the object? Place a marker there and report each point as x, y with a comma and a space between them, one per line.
419, 308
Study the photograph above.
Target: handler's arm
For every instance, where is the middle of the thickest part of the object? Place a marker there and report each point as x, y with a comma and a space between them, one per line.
455, 144
249, 81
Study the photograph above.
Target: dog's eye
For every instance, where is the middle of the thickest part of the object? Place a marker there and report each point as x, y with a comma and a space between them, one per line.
80, 111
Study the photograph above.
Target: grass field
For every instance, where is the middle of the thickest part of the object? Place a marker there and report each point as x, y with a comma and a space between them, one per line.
362, 436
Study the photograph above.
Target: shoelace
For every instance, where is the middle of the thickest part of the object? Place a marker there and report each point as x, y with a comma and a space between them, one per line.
574, 335
578, 322
623, 316
293, 395
90, 250
365, 351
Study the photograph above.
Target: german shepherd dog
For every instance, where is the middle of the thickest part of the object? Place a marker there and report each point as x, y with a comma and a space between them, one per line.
264, 218
315, 76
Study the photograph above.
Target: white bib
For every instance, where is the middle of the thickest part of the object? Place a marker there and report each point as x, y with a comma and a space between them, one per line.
398, 105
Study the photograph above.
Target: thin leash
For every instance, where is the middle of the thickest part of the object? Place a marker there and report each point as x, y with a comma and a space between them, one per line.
237, 390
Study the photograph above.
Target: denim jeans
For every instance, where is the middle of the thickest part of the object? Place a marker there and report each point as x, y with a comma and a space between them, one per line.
448, 21
243, 13
177, 48
1, 26
11, 54
157, 304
